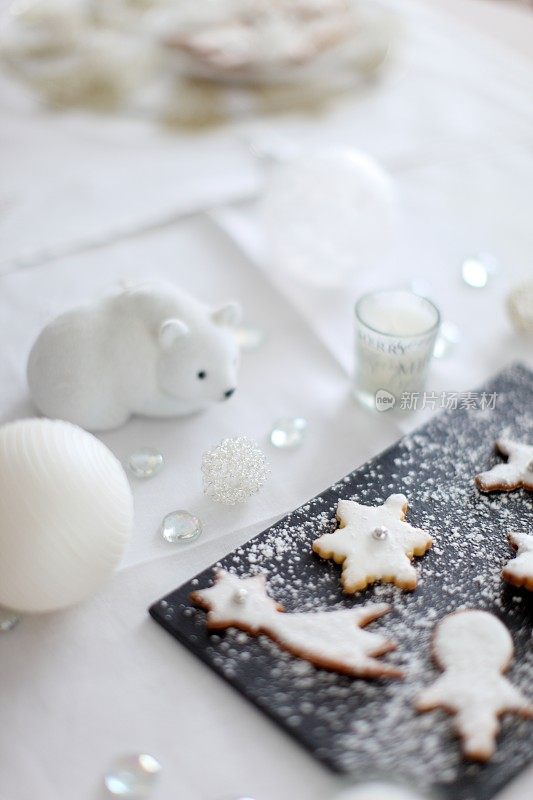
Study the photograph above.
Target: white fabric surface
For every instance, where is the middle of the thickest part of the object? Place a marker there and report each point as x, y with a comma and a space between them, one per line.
291, 374
453, 122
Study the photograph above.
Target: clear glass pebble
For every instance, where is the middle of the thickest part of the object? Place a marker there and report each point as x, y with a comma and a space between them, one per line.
250, 338
476, 270
145, 463
288, 432
180, 526
8, 620
133, 777
447, 340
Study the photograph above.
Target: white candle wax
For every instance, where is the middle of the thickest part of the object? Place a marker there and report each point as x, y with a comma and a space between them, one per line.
398, 313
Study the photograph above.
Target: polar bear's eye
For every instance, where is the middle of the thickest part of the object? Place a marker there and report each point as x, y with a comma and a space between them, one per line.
201, 375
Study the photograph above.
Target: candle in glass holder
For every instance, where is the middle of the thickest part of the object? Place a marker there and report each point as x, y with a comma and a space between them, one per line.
394, 341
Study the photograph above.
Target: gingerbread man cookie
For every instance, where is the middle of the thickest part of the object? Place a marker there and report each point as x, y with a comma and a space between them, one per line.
330, 639
474, 649
519, 571
516, 473
374, 543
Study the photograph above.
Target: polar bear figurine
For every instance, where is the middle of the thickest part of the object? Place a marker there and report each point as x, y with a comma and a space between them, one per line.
148, 349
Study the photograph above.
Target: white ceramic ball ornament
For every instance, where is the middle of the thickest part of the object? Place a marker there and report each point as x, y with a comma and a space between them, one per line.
66, 514
327, 215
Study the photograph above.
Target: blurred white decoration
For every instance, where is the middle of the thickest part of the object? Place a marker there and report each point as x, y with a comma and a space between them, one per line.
448, 338
328, 215
233, 57
56, 47
66, 513
477, 270
520, 307
250, 338
148, 349
234, 470
133, 777
193, 62
288, 432
264, 41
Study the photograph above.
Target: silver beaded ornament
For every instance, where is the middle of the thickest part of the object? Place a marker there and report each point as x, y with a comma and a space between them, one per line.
234, 470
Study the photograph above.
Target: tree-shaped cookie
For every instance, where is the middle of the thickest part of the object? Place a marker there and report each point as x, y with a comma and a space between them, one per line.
374, 543
474, 649
515, 473
331, 639
519, 571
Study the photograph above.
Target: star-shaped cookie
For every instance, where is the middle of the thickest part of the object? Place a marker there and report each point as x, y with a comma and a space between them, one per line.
516, 473
374, 544
519, 571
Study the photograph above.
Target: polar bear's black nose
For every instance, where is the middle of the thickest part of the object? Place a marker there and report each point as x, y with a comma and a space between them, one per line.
228, 392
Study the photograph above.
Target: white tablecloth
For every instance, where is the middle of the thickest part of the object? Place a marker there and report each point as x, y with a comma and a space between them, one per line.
452, 120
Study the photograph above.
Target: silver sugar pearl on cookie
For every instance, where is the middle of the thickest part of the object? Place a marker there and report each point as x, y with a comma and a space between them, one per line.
288, 432
145, 463
380, 533
132, 777
180, 526
240, 595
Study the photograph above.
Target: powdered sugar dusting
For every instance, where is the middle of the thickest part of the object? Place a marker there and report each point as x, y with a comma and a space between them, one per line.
353, 724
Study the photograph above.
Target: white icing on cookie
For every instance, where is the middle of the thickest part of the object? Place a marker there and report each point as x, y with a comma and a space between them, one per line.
374, 543
474, 648
330, 639
519, 571
517, 472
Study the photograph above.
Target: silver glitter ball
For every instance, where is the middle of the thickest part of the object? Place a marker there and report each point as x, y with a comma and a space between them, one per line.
476, 270
380, 533
240, 595
8, 620
133, 777
145, 463
288, 432
180, 526
234, 470
250, 338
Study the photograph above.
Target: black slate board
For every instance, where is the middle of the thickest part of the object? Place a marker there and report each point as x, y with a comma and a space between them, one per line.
351, 724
